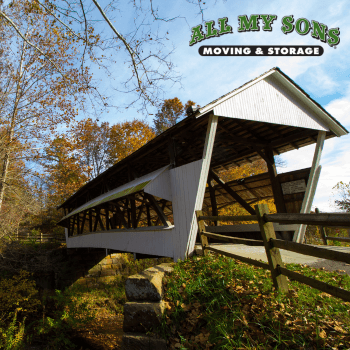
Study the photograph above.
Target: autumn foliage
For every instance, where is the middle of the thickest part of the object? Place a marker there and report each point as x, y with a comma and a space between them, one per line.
246, 170
85, 151
171, 112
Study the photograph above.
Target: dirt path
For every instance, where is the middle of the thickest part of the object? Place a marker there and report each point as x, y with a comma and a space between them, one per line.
102, 334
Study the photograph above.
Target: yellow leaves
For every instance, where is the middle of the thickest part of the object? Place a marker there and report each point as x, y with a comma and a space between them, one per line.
126, 138
339, 329
322, 334
18, 294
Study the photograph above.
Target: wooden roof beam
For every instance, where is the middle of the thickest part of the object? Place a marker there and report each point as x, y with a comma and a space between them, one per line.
291, 138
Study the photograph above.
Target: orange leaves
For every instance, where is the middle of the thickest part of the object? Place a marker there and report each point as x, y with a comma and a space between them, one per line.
64, 173
125, 138
86, 150
170, 113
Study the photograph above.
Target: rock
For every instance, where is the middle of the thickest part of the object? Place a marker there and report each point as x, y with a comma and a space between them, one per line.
147, 285
95, 271
144, 286
108, 272
166, 268
137, 341
142, 317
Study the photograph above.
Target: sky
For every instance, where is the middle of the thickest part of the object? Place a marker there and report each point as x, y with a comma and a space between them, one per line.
325, 78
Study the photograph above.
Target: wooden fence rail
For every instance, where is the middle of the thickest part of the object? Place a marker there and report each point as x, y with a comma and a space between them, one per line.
272, 245
329, 238
40, 238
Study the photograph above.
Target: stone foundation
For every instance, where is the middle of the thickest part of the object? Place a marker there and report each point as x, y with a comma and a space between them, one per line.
83, 266
145, 308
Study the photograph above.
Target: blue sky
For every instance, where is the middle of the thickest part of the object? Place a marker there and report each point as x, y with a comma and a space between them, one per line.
326, 78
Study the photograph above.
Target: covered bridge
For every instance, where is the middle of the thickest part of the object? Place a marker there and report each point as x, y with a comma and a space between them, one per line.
146, 203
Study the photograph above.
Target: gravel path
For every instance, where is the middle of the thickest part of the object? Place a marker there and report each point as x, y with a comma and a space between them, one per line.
258, 253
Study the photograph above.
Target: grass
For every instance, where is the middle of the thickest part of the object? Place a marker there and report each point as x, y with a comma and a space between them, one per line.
215, 302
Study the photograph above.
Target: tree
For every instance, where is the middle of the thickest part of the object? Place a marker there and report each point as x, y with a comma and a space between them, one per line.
125, 138
38, 92
142, 46
72, 159
64, 172
245, 170
92, 142
344, 190
171, 111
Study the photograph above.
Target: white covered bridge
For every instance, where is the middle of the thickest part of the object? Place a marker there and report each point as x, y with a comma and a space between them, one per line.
146, 203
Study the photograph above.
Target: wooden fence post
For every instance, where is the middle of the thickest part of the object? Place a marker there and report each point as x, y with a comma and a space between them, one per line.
322, 230
273, 254
201, 228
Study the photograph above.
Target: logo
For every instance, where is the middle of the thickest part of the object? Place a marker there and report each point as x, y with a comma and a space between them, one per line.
255, 23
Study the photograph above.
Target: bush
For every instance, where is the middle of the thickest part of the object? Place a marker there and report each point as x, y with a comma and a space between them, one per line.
62, 313
18, 295
12, 336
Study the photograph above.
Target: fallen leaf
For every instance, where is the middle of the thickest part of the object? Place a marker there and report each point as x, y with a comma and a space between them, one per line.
322, 334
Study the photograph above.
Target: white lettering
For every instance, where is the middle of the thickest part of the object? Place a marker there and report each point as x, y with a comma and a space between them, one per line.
308, 50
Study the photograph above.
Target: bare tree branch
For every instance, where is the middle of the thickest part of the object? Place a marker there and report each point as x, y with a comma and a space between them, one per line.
28, 42
130, 50
65, 25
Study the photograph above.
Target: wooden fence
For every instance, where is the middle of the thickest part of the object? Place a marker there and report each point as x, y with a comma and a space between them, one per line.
40, 238
325, 237
272, 245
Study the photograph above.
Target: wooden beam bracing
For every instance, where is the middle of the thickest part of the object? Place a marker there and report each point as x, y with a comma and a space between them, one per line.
232, 193
311, 184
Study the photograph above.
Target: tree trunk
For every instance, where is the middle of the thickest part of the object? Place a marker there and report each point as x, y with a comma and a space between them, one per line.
11, 130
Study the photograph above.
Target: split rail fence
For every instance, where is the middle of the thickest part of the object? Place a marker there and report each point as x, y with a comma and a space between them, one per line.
330, 238
40, 238
272, 245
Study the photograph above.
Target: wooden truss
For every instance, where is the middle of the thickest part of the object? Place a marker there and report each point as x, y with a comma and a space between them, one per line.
137, 210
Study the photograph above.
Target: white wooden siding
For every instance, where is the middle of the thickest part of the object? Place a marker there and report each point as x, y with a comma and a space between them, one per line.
184, 185
268, 101
187, 188
160, 186
207, 153
311, 185
156, 242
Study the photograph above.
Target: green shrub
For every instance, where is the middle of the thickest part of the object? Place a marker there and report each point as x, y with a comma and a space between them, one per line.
66, 312
12, 336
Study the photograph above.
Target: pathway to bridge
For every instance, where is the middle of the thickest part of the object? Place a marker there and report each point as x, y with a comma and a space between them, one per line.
258, 253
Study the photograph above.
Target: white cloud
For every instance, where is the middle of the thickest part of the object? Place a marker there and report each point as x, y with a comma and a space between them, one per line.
335, 157
340, 109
